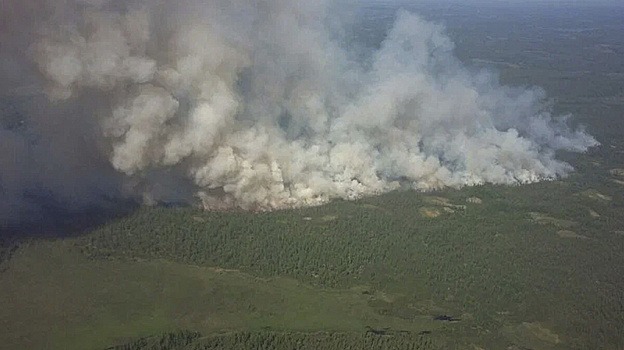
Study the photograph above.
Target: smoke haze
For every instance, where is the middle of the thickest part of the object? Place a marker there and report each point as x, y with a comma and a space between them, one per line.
256, 105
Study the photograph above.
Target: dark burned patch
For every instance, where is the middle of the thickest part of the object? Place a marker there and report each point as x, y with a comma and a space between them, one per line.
446, 318
377, 331
387, 331
7, 247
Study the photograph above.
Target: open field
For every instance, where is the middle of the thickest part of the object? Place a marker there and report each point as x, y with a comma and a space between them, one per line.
91, 304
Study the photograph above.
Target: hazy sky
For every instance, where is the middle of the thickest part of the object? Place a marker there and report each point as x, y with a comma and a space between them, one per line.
507, 2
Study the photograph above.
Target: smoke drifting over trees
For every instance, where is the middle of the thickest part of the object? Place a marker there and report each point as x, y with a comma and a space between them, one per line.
252, 104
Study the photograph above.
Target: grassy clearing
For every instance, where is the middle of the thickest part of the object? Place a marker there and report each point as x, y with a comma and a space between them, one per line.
54, 298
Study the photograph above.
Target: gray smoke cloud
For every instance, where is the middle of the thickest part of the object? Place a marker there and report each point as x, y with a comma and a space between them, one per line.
263, 105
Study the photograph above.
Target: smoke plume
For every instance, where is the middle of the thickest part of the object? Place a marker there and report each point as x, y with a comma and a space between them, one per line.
258, 105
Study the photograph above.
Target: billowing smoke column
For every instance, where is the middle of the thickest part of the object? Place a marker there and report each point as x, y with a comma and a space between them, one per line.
263, 105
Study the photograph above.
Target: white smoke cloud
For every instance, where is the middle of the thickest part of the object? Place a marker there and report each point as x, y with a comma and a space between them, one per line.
262, 106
